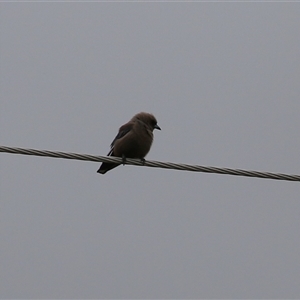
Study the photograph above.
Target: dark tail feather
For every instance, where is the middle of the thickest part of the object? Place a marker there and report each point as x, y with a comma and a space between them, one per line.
105, 167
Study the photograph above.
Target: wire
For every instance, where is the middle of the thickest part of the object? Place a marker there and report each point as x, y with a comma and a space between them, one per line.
150, 163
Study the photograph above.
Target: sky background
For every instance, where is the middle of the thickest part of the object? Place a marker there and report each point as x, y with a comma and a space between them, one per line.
222, 80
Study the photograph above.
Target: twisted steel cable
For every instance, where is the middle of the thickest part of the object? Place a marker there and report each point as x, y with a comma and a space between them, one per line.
150, 163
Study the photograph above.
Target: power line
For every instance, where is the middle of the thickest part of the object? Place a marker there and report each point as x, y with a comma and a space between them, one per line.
150, 163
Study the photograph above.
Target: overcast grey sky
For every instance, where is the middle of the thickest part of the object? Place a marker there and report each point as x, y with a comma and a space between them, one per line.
222, 80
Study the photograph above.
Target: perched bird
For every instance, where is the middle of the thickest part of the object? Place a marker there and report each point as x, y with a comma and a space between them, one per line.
133, 140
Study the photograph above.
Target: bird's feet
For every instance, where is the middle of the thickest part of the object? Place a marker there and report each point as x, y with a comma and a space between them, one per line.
123, 159
143, 161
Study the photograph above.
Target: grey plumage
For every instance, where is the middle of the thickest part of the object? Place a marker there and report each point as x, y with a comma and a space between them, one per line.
133, 140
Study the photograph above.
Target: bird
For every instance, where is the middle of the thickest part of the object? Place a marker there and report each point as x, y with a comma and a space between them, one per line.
133, 140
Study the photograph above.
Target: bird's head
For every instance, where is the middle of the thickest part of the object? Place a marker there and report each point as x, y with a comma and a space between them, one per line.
147, 119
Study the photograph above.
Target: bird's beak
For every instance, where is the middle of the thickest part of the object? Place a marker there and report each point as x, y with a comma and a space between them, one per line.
157, 127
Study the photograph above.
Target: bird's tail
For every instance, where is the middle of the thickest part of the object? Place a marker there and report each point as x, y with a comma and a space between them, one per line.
105, 167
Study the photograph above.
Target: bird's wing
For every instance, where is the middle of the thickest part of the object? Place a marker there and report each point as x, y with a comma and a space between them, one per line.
122, 132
